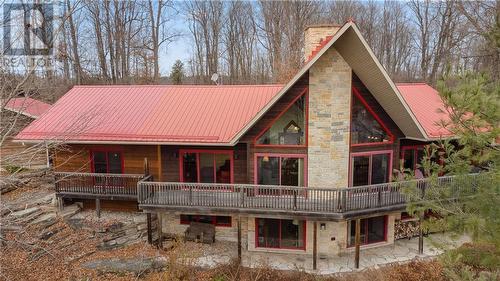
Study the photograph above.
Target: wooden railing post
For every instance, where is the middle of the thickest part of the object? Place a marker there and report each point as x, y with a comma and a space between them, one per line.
190, 195
295, 199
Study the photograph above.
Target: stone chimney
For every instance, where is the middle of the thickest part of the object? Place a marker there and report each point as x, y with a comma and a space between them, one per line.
314, 35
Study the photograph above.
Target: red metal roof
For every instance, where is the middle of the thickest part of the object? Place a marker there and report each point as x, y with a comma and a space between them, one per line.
427, 106
151, 114
27, 106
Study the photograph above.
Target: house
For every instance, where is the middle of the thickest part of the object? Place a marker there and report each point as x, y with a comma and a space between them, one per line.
286, 171
17, 113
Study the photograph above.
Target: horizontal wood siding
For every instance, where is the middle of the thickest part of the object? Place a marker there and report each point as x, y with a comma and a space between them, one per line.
170, 161
76, 158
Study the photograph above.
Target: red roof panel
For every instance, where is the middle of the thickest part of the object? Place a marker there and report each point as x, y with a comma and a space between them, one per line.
427, 106
27, 106
177, 114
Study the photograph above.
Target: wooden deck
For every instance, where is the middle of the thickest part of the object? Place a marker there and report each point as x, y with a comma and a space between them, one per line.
97, 186
307, 202
326, 203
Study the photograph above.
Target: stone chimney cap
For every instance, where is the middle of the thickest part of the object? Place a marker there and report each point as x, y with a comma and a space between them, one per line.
322, 25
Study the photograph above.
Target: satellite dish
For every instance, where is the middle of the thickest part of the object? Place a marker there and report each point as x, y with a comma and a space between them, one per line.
215, 78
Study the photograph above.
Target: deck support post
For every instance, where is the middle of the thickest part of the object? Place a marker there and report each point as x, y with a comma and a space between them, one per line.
60, 203
159, 230
357, 242
315, 245
150, 229
420, 236
98, 207
239, 239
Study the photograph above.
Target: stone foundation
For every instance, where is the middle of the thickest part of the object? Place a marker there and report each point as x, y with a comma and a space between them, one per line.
331, 241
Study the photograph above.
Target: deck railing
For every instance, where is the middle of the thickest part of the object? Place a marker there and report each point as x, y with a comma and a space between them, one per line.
288, 198
95, 184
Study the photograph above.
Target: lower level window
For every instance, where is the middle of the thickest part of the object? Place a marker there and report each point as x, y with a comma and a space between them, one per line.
215, 220
277, 233
373, 230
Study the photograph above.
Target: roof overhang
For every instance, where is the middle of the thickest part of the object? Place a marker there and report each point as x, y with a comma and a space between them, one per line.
349, 42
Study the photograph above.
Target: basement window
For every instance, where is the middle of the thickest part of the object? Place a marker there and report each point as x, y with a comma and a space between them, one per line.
280, 234
215, 220
373, 230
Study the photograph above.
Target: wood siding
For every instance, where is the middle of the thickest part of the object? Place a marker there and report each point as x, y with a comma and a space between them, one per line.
76, 158
170, 161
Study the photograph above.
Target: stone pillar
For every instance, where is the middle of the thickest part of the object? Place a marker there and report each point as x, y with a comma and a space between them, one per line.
329, 121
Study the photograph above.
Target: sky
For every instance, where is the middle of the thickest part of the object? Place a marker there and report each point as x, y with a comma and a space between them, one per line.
179, 49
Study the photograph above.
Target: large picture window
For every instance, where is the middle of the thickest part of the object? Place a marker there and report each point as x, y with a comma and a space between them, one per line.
107, 162
274, 169
289, 128
279, 233
206, 166
370, 168
366, 127
373, 230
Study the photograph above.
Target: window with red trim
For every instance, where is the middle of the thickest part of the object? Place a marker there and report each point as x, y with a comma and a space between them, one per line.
215, 220
107, 162
206, 166
412, 157
289, 128
366, 127
373, 230
279, 233
370, 168
280, 170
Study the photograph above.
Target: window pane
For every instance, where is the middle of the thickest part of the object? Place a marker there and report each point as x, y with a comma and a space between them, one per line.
380, 168
292, 234
420, 157
352, 232
364, 127
376, 229
268, 170
292, 171
99, 162
114, 163
360, 170
268, 233
289, 129
223, 168
207, 167
190, 173
223, 220
408, 159
205, 219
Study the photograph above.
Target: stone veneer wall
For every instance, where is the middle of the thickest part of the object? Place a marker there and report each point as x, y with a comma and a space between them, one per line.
313, 36
329, 121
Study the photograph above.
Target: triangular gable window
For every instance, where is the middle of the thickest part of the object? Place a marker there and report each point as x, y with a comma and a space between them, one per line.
289, 128
366, 127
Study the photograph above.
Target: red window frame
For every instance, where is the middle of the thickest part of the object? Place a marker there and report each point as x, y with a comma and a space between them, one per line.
106, 151
213, 218
370, 154
306, 130
364, 243
304, 239
415, 153
279, 155
356, 94
197, 152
